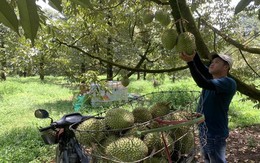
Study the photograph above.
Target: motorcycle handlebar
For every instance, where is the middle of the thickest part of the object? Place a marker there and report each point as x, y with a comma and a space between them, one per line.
88, 117
52, 126
62, 123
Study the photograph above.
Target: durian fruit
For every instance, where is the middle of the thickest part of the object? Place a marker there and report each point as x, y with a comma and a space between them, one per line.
119, 118
155, 142
186, 43
127, 149
186, 143
168, 141
152, 141
160, 109
155, 124
105, 142
134, 131
148, 16
169, 38
163, 17
125, 81
183, 136
176, 116
141, 114
90, 131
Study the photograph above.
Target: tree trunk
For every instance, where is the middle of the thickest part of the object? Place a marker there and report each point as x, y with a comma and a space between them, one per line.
3, 76
109, 54
83, 67
144, 72
3, 63
41, 69
110, 58
138, 75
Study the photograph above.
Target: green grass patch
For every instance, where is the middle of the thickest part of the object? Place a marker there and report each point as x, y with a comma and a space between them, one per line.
243, 113
20, 140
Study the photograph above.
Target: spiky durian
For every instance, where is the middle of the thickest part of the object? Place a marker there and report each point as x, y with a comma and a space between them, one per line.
186, 43
169, 38
119, 118
127, 149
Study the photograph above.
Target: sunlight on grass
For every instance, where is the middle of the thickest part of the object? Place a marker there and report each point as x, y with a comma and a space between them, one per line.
242, 112
19, 97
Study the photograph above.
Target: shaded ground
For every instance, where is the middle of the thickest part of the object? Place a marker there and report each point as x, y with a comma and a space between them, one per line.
243, 145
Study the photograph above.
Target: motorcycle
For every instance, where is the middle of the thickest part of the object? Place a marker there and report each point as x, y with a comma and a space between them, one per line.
61, 132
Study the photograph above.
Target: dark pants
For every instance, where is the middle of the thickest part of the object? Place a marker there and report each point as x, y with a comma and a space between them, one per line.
214, 149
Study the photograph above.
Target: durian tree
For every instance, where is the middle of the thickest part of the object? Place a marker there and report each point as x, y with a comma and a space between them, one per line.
113, 32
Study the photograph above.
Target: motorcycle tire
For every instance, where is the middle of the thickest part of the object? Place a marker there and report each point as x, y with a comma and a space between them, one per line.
66, 157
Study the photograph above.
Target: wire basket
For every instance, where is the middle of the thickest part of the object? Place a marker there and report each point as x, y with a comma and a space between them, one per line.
156, 127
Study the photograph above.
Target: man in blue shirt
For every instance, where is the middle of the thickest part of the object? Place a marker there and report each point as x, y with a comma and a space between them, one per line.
217, 92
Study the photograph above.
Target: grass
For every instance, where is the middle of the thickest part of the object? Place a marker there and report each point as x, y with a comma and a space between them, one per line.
20, 97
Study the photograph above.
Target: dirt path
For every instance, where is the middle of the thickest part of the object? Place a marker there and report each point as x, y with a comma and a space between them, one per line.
243, 146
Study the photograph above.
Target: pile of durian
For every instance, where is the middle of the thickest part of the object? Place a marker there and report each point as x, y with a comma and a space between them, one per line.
117, 138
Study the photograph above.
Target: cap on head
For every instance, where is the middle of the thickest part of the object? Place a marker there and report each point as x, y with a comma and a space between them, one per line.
224, 57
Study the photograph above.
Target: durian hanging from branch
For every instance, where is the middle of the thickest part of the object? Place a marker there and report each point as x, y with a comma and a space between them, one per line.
163, 17
148, 16
186, 40
125, 81
169, 38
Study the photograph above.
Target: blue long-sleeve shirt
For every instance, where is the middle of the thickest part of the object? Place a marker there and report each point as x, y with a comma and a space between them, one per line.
215, 99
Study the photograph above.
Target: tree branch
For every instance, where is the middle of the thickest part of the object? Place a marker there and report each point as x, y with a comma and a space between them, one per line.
232, 41
122, 66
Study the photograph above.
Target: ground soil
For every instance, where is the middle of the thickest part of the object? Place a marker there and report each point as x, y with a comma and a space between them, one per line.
243, 145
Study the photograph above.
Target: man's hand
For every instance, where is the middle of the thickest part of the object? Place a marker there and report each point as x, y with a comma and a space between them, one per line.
186, 57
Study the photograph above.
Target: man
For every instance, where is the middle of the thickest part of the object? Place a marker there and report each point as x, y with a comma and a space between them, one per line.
217, 92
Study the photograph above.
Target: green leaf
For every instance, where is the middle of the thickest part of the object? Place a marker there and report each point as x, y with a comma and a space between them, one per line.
29, 18
56, 4
83, 3
7, 16
242, 5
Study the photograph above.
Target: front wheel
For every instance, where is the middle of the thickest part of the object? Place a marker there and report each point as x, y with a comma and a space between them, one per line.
66, 157
61, 156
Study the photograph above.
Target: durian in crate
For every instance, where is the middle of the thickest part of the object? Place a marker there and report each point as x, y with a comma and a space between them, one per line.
119, 118
183, 136
155, 143
141, 114
127, 149
160, 109
123, 139
89, 131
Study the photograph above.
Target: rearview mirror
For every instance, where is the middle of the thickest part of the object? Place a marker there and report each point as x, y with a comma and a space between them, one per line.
41, 113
